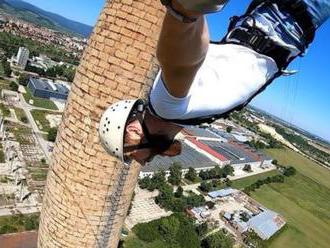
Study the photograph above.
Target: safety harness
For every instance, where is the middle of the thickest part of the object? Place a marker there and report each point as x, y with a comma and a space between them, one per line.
257, 40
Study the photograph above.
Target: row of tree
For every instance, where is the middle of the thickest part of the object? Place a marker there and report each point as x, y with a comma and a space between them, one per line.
217, 173
286, 171
67, 72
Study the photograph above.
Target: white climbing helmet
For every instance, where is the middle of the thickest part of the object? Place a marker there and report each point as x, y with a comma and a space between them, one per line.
113, 124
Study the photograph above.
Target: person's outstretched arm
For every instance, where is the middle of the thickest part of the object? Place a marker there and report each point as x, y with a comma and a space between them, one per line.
182, 48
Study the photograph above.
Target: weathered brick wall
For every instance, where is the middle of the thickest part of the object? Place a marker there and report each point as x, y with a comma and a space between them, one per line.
88, 193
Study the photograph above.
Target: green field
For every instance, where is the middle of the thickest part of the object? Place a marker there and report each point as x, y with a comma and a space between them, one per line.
40, 116
39, 102
303, 200
4, 84
302, 164
20, 114
246, 181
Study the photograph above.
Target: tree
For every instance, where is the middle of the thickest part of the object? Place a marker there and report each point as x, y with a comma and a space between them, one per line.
218, 240
187, 237
205, 187
289, 171
179, 192
24, 119
23, 79
6, 67
247, 168
191, 175
229, 129
202, 229
13, 86
175, 174
52, 133
228, 170
253, 240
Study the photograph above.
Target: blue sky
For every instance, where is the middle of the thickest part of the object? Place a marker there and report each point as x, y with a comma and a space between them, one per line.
302, 99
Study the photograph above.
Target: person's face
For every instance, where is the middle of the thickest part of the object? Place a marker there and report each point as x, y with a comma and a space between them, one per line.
134, 136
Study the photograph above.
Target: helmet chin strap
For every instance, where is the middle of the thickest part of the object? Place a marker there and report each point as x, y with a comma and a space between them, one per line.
158, 143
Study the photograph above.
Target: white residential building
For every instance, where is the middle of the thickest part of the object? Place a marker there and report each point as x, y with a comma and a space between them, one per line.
22, 57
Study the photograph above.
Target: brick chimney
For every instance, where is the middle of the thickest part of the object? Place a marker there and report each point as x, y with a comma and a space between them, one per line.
88, 192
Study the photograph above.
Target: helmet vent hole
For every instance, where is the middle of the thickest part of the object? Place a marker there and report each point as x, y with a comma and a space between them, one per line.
105, 125
117, 149
107, 129
106, 118
108, 122
118, 127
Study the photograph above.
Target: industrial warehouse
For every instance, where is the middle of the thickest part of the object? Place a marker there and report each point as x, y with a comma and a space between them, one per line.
46, 88
203, 149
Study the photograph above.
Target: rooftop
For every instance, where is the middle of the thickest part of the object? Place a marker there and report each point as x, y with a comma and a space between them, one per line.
188, 158
47, 85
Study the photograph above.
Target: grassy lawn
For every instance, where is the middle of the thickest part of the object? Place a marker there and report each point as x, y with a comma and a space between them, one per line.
19, 223
4, 110
303, 165
39, 102
302, 199
2, 154
246, 181
4, 84
40, 117
21, 115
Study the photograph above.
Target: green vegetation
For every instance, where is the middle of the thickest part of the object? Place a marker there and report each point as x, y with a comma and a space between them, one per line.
4, 84
303, 144
23, 79
13, 86
20, 114
52, 134
39, 102
303, 200
22, 134
217, 173
191, 175
219, 239
39, 117
303, 165
246, 181
2, 156
67, 72
10, 44
19, 223
175, 202
213, 185
6, 67
175, 231
4, 110
175, 174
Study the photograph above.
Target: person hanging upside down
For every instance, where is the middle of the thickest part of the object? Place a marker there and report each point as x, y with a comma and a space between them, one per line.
200, 82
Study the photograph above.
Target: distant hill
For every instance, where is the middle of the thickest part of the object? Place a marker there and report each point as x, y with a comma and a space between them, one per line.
35, 15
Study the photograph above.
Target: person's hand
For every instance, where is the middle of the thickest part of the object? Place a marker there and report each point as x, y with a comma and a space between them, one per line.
203, 6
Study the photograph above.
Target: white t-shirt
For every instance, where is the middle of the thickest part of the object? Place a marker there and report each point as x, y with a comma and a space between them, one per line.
230, 75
